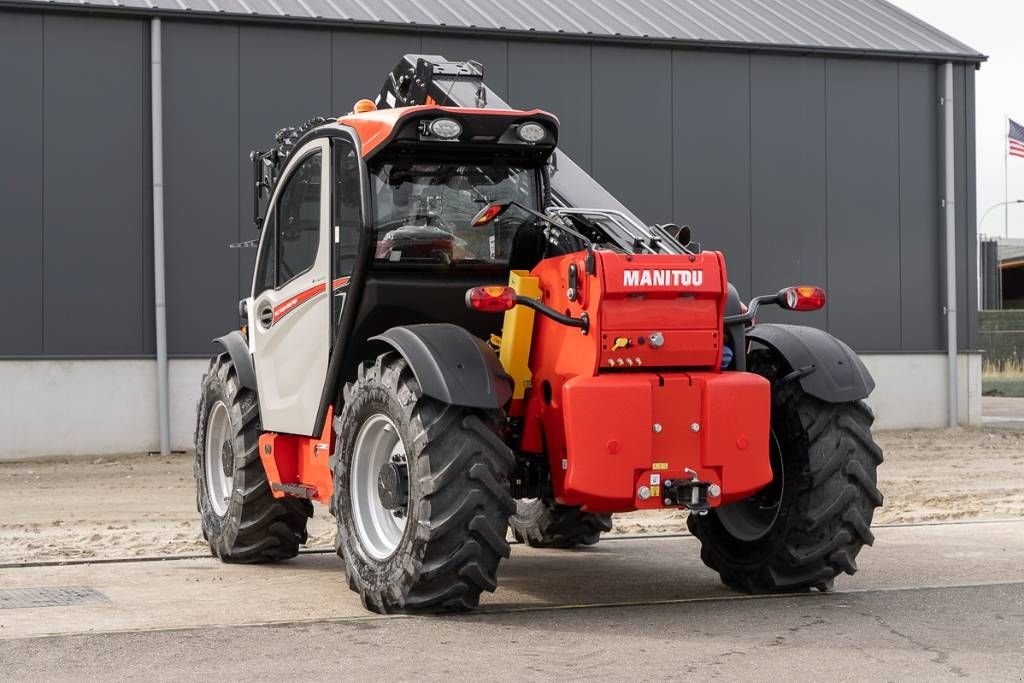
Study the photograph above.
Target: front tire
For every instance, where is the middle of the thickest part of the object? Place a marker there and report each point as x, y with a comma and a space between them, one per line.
241, 520
809, 524
425, 531
546, 524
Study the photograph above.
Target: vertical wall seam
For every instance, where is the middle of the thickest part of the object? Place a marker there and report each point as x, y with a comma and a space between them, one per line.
750, 173
42, 185
593, 164
899, 200
144, 26
828, 227
238, 151
671, 131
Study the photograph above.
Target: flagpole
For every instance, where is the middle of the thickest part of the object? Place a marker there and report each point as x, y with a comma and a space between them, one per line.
1006, 180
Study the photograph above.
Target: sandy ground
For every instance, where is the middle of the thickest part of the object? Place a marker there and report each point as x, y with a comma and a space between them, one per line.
145, 505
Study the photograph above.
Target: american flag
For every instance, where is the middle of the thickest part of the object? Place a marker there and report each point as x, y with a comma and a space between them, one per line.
1016, 139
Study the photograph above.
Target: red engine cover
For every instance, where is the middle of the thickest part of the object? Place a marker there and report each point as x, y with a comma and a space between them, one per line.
680, 298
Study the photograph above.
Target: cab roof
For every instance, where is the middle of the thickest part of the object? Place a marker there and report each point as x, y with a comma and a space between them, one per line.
379, 128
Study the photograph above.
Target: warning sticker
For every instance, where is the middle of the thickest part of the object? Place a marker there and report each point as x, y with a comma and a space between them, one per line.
659, 466
655, 479
655, 491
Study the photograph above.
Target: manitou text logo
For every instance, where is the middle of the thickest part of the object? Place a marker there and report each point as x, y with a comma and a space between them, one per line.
662, 278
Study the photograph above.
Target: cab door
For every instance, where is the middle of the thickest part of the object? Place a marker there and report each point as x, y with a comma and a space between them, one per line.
290, 309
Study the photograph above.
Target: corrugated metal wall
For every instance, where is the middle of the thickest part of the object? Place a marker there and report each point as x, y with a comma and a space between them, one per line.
802, 169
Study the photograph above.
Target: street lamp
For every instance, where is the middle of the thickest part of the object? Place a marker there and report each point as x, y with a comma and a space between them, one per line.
996, 206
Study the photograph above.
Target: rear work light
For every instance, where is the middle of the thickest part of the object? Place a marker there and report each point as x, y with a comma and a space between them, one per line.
493, 299
531, 132
802, 298
446, 129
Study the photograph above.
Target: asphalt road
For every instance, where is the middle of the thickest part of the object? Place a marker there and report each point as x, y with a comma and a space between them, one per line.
930, 602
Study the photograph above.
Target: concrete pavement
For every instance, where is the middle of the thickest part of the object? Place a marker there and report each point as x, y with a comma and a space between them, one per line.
929, 601
1002, 411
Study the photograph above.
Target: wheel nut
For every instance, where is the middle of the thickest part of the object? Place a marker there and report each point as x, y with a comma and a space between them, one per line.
643, 493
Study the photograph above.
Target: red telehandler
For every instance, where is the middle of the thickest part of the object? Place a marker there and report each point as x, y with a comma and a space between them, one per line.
374, 374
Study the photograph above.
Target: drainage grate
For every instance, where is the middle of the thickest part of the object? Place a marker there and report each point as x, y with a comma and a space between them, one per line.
55, 596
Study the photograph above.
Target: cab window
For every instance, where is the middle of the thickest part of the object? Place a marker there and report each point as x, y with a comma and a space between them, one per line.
423, 212
298, 220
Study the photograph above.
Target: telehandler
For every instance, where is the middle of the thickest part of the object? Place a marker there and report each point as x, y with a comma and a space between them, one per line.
373, 374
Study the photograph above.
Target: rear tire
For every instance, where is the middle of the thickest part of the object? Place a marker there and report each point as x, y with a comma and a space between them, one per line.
241, 520
448, 536
808, 526
546, 524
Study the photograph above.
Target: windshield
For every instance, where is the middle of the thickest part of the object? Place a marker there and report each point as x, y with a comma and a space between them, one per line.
423, 211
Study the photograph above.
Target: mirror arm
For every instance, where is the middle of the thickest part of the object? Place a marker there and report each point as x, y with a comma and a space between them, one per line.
755, 303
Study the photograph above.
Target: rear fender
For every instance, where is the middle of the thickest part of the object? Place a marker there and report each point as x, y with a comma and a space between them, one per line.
451, 365
236, 346
829, 369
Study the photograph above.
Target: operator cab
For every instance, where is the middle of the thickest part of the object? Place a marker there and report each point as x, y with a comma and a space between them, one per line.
382, 236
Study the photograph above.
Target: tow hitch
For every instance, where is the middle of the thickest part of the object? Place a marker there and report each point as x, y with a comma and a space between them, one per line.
690, 493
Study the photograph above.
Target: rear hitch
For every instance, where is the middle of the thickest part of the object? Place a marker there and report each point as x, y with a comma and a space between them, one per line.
690, 493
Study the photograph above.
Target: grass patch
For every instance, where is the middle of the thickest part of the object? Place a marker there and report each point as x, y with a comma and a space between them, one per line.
1004, 378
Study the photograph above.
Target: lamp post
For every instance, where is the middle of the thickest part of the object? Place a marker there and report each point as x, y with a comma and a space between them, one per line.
996, 206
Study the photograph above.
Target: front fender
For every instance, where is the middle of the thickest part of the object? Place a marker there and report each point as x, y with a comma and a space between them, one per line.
234, 343
451, 365
830, 370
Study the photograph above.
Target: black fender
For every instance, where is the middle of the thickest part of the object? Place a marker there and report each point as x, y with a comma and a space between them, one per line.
451, 365
236, 346
829, 369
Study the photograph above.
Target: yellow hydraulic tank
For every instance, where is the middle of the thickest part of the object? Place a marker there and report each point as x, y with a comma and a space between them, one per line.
517, 332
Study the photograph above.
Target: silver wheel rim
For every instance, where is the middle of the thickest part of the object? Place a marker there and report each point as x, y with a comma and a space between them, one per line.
218, 454
379, 529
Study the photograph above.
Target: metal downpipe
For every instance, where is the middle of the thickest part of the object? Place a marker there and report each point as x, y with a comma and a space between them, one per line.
949, 154
159, 289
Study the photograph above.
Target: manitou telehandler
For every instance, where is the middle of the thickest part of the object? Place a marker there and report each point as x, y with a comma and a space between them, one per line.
373, 374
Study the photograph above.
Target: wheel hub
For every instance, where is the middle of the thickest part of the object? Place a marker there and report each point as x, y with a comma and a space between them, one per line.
393, 486
227, 458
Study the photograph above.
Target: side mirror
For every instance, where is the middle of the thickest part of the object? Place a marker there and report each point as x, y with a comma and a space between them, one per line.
489, 213
682, 234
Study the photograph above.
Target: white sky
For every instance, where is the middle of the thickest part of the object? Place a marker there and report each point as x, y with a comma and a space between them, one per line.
991, 27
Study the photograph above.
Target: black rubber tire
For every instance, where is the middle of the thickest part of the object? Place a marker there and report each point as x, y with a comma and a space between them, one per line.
545, 524
829, 494
459, 501
256, 526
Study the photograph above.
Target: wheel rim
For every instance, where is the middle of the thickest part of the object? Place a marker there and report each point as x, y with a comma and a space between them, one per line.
218, 458
752, 518
378, 445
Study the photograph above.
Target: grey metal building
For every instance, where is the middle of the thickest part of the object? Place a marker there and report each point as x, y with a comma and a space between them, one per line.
803, 138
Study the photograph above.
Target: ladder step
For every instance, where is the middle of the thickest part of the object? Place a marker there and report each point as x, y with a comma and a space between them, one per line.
297, 490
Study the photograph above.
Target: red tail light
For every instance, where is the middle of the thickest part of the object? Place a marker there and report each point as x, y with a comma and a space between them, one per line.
803, 298
493, 299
